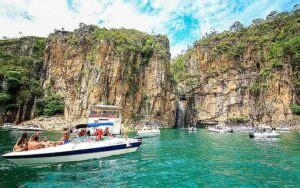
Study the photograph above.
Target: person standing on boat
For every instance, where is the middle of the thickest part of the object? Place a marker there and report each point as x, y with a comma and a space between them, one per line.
34, 142
21, 144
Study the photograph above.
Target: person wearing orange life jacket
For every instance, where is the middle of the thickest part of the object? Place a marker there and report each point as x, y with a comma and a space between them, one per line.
99, 134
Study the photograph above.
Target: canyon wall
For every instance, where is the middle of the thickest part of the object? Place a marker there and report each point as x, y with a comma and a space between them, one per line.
247, 75
122, 67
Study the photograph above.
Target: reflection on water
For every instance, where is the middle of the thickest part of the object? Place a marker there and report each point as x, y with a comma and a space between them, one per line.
175, 158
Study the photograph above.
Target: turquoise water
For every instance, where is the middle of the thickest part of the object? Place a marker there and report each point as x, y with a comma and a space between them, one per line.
175, 159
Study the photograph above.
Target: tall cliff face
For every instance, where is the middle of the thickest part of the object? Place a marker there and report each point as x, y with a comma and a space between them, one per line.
123, 67
21, 63
248, 75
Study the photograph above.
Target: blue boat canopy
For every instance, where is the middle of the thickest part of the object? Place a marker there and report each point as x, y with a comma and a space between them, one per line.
100, 124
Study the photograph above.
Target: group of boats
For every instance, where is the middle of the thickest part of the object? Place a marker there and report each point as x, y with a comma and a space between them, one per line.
257, 132
106, 117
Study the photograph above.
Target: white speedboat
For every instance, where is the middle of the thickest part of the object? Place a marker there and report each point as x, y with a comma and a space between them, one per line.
29, 128
148, 133
74, 151
8, 126
243, 129
211, 129
271, 134
218, 129
283, 129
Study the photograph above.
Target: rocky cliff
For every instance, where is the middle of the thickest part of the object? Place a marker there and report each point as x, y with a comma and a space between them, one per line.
119, 66
246, 75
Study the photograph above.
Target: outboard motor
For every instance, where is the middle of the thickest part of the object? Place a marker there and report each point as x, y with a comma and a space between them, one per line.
251, 134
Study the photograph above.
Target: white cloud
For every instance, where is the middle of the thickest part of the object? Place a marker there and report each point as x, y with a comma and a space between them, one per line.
41, 17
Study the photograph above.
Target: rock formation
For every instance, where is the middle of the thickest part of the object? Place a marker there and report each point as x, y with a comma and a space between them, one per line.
249, 75
119, 66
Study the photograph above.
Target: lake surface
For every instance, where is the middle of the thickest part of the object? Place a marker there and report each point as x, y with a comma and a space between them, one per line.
176, 158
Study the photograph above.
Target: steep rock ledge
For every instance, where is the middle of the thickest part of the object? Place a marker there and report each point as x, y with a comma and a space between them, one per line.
123, 67
248, 75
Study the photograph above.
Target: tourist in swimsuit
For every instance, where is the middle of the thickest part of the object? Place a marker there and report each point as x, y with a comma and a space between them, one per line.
34, 142
47, 143
21, 144
65, 137
107, 132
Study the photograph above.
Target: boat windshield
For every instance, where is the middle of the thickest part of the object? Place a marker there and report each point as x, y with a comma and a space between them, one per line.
104, 113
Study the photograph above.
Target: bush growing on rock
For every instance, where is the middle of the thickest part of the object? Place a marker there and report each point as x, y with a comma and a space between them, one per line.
50, 106
238, 119
295, 109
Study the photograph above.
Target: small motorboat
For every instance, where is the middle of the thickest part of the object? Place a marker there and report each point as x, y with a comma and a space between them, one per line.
148, 133
283, 129
74, 151
217, 129
263, 131
150, 129
192, 129
243, 129
29, 128
8, 126
271, 134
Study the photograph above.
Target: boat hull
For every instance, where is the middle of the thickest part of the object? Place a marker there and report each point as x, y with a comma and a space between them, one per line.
30, 129
70, 153
145, 134
216, 130
263, 135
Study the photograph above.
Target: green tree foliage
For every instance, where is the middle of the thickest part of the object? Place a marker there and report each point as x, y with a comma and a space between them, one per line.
275, 42
178, 66
238, 119
295, 109
51, 105
21, 61
132, 48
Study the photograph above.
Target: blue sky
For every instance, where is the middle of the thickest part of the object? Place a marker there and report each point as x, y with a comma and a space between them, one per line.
183, 21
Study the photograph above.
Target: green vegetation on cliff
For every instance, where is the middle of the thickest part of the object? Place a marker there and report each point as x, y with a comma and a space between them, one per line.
270, 45
21, 64
130, 47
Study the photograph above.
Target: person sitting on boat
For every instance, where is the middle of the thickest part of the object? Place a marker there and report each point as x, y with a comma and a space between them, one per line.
47, 143
99, 134
34, 142
65, 137
107, 132
21, 144
82, 132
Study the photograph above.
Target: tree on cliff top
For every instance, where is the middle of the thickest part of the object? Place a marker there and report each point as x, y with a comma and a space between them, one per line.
236, 26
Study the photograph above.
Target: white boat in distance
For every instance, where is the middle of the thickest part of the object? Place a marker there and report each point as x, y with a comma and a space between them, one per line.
29, 128
219, 129
243, 129
192, 129
148, 133
150, 129
283, 129
272, 134
8, 126
74, 151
